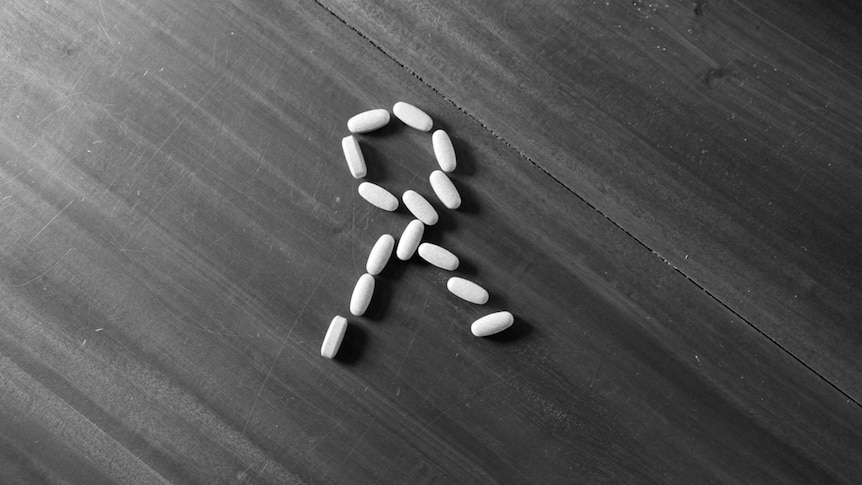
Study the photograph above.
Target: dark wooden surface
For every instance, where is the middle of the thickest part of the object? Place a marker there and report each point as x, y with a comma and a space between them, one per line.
673, 227
726, 136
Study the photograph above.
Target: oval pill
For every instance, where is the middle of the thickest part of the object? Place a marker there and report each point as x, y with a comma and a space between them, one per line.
353, 155
438, 256
334, 336
445, 190
420, 207
362, 293
410, 239
370, 120
378, 196
443, 150
491, 324
412, 116
380, 254
467, 290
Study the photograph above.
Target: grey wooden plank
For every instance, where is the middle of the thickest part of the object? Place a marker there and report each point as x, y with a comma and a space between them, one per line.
179, 227
723, 135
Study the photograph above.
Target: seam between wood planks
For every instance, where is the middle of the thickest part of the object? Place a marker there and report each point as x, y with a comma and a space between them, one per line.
589, 204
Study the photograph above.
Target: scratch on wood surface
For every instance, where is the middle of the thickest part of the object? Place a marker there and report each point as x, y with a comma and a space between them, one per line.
150, 213
403, 361
412, 339
243, 475
261, 150
49, 222
595, 371
10, 54
42, 273
52, 113
10, 179
355, 444
105, 20
10, 204
179, 321
468, 396
192, 110
323, 438
598, 364
317, 179
800, 182
799, 43
440, 376
216, 241
384, 473
281, 348
266, 464
77, 81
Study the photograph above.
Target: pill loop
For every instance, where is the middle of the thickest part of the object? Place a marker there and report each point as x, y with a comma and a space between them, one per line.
444, 152
368, 121
412, 116
467, 290
334, 337
410, 239
353, 155
445, 190
378, 196
380, 254
438, 256
362, 293
420, 207
492, 323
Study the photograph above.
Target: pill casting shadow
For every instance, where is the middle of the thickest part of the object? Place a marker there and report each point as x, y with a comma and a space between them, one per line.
446, 224
381, 299
376, 171
519, 331
385, 285
469, 202
354, 344
466, 168
465, 156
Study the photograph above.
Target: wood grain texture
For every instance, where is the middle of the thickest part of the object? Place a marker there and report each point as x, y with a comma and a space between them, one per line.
724, 135
179, 227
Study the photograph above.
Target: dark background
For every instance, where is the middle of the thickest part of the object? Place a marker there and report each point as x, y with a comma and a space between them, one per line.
665, 194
